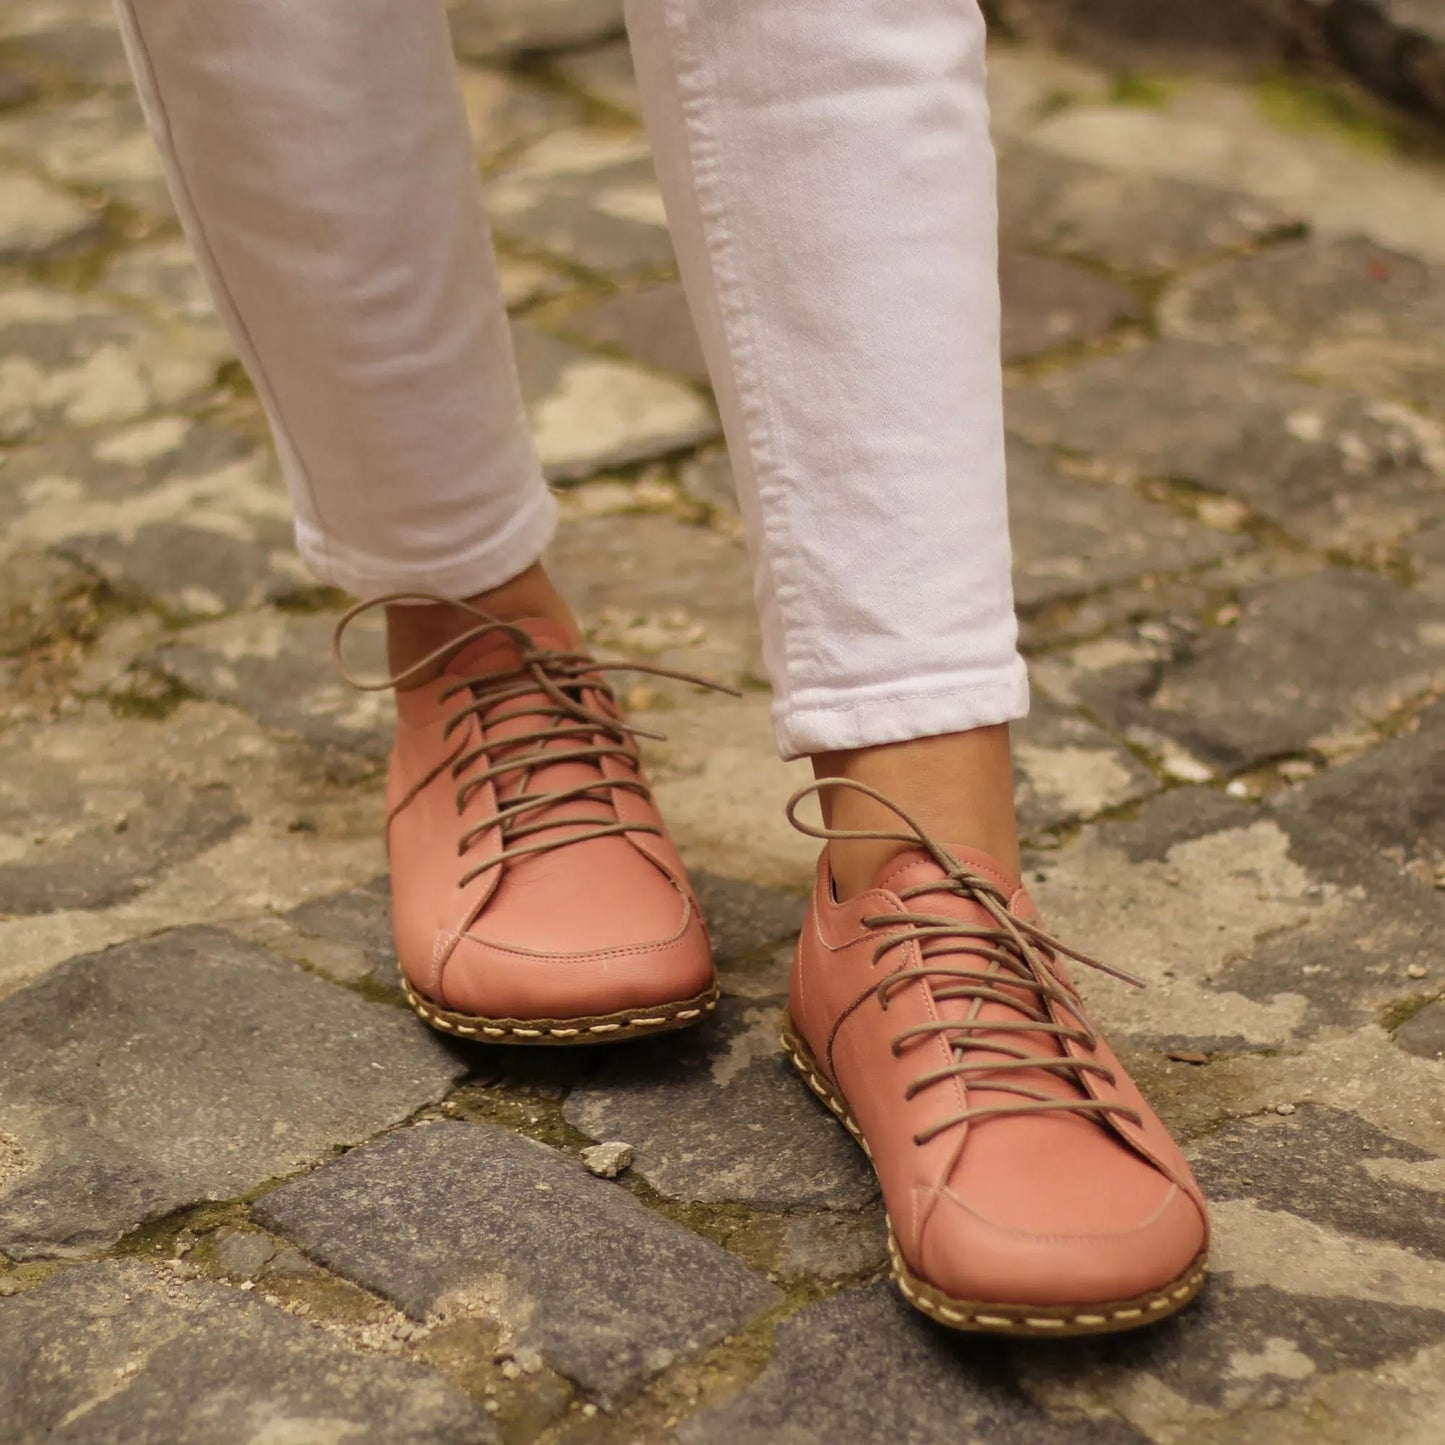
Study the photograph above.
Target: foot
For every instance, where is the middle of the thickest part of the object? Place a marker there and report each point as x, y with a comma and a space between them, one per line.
1030, 1189
536, 895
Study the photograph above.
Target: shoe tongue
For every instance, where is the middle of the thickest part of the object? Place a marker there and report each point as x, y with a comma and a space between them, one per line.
501, 652
916, 869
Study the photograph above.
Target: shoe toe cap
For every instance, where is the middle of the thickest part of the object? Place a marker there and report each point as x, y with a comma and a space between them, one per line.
492, 979
970, 1257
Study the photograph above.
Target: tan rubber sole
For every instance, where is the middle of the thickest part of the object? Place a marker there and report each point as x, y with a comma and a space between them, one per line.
563, 1033
989, 1316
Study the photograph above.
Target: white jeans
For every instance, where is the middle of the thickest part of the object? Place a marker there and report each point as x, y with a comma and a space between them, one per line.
829, 185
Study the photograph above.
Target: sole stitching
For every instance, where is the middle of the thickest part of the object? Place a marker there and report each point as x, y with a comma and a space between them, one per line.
561, 1030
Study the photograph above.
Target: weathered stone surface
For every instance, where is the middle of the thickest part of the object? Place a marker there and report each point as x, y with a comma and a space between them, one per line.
1295, 653
1134, 893
39, 221
1330, 468
99, 142
117, 1352
73, 39
1142, 224
182, 512
1068, 767
76, 360
456, 1217
346, 935
164, 275
743, 918
279, 669
1073, 536
75, 783
487, 29
605, 74
862, 1365
1347, 312
1364, 797
835, 1246
1423, 1034
1048, 304
42, 597
709, 477
505, 111
16, 89
724, 1118
653, 589
589, 412
651, 324
122, 1073
1236, 1347
1330, 1167
1221, 136
588, 198
84, 822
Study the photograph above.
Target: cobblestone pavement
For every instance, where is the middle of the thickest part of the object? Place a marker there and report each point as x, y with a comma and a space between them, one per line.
244, 1195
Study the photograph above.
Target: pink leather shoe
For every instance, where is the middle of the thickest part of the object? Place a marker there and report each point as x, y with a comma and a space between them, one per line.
1030, 1189
536, 895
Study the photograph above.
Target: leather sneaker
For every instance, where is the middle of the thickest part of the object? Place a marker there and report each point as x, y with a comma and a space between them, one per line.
536, 895
1030, 1190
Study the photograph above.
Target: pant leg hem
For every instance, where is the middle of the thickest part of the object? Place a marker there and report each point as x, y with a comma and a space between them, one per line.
501, 558
867, 719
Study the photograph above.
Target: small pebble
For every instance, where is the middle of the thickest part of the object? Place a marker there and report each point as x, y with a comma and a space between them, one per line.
510, 1370
1416, 970
1284, 1108
529, 1361
607, 1161
589, 1410
1238, 788
1188, 1056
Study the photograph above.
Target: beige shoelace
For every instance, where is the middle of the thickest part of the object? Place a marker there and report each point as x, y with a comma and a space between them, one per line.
1014, 971
565, 678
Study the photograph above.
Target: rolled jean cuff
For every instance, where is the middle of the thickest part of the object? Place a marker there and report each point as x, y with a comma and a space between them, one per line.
505, 555
928, 709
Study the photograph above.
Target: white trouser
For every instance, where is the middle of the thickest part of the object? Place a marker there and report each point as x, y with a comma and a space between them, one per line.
829, 184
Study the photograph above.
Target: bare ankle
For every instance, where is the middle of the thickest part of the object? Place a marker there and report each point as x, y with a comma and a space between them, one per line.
958, 786
415, 630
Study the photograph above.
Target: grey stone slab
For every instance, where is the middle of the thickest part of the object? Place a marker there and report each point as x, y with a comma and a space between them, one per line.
451, 1215
163, 274
39, 222
591, 412
91, 812
505, 111
75, 360
1234, 1348
604, 73
651, 324
1067, 767
185, 513
722, 1117
112, 1352
1423, 1034
835, 1246
861, 1365
1309, 660
491, 29
1391, 797
588, 198
1344, 311
278, 668
658, 590
1332, 469
1147, 225
1321, 1164
1073, 536
1049, 304
743, 918
98, 142
1229, 36
187, 1067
